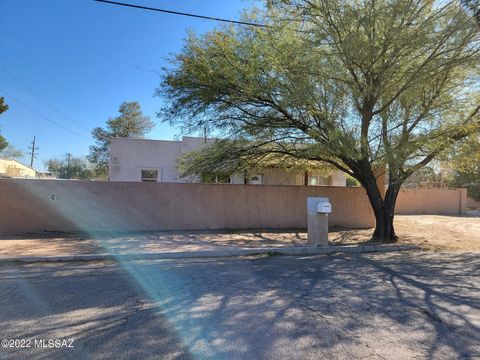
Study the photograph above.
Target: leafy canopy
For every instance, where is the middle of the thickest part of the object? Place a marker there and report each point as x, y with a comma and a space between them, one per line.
3, 108
12, 152
74, 168
356, 84
131, 123
464, 164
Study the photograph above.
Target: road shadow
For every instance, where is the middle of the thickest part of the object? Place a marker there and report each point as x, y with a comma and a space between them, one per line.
391, 306
99, 306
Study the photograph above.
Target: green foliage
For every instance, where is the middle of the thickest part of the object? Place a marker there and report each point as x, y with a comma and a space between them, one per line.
223, 158
465, 156
471, 181
11, 152
3, 143
457, 168
355, 84
131, 123
351, 182
473, 7
206, 163
464, 163
74, 168
427, 177
3, 108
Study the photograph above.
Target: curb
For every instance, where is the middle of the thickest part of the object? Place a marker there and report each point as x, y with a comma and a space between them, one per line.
324, 250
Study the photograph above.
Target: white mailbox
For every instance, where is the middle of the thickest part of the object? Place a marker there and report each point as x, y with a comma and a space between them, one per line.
324, 207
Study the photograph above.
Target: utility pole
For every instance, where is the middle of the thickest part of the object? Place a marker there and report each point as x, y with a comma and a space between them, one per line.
69, 156
33, 154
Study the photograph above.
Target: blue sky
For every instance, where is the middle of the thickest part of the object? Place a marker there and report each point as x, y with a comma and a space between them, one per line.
83, 58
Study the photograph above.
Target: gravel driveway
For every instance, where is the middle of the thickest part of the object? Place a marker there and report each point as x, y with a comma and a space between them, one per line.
380, 306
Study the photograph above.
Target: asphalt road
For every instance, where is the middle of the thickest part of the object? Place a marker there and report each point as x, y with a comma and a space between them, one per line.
385, 306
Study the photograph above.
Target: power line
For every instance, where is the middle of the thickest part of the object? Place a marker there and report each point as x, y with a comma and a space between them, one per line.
41, 98
43, 116
211, 18
46, 103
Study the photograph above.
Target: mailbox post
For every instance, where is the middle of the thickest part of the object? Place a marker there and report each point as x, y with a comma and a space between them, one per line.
318, 209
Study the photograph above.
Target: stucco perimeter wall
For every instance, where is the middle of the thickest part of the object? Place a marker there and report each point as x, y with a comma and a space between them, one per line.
434, 201
50, 205
472, 204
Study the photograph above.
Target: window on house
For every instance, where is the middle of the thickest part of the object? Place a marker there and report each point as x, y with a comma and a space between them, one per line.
255, 180
323, 180
313, 180
150, 175
318, 180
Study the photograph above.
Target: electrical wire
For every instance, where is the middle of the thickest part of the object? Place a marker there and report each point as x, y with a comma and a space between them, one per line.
41, 99
43, 116
211, 18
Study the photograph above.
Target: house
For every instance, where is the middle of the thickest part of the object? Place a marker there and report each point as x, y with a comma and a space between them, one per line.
45, 176
156, 160
11, 168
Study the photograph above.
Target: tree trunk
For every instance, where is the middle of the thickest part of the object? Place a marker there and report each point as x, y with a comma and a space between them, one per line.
384, 229
383, 209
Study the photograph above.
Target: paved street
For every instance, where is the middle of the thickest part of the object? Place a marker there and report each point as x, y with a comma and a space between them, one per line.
391, 306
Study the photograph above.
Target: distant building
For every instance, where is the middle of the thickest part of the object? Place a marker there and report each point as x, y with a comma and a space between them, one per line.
45, 175
156, 160
11, 168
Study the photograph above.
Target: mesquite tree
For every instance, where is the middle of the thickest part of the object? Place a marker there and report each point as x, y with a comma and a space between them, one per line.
360, 85
473, 7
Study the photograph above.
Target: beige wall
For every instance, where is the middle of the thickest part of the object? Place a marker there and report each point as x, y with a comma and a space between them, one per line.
129, 156
472, 204
281, 177
55, 205
338, 178
39, 205
431, 201
14, 169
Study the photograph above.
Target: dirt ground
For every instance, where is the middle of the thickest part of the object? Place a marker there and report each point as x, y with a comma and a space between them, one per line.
432, 232
456, 233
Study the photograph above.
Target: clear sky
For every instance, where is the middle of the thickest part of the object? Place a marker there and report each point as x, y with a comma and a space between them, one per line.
83, 58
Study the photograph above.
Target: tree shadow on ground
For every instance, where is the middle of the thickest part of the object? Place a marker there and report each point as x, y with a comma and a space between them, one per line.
391, 306
100, 307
